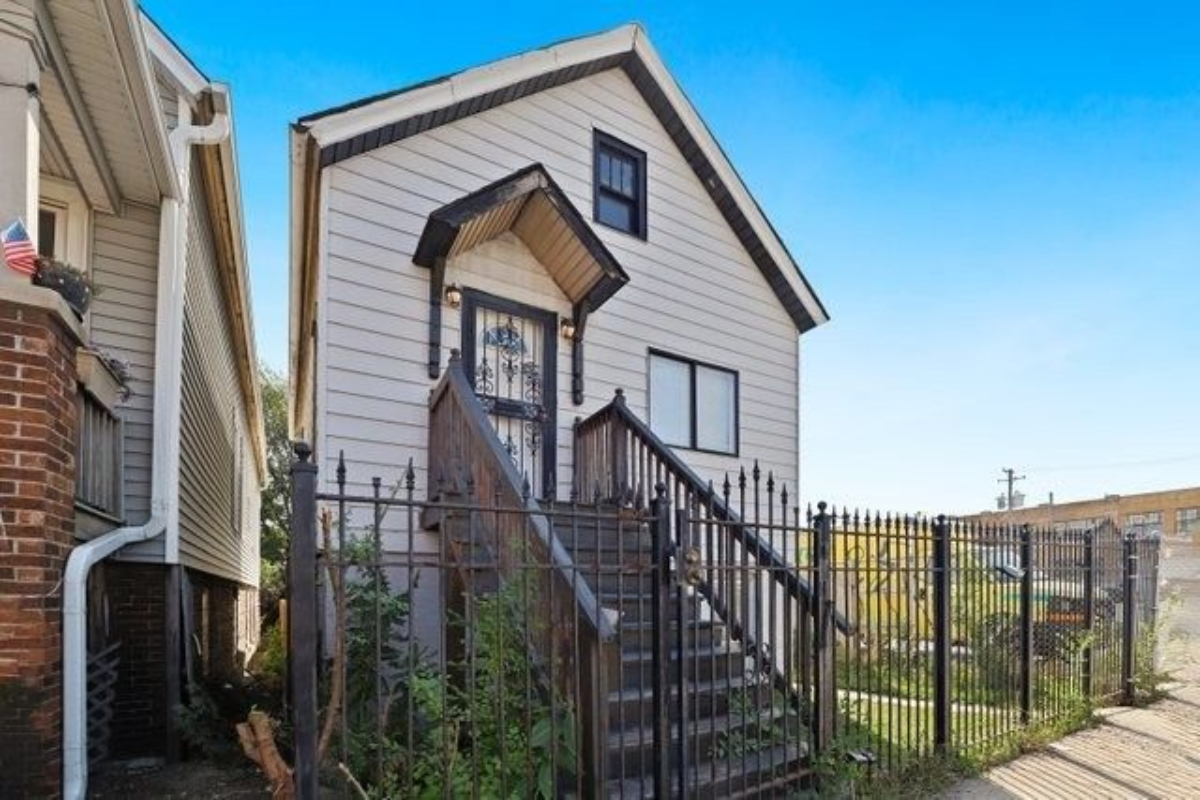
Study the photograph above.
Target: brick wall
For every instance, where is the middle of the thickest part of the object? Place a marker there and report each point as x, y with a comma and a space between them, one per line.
37, 488
1117, 507
137, 619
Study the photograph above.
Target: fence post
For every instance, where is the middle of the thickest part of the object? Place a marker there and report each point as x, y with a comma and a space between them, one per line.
661, 603
302, 621
1089, 610
824, 689
941, 633
1129, 626
1026, 643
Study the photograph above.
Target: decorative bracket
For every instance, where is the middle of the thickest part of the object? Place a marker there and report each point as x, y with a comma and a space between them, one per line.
579, 315
437, 279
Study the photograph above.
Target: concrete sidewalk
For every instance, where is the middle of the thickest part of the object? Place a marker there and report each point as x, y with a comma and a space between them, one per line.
1134, 752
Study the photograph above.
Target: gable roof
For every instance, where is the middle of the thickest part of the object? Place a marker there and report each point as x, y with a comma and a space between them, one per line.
349, 130
336, 134
531, 205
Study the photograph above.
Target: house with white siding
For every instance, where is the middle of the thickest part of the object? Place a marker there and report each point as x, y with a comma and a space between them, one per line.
541, 284
119, 159
566, 221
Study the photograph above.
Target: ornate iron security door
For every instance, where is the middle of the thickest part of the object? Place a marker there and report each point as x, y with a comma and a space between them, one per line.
509, 354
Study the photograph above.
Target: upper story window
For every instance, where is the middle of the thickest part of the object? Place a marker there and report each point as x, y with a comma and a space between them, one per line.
693, 405
619, 181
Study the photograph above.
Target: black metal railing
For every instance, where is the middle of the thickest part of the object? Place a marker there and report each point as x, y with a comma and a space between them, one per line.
99, 458
963, 635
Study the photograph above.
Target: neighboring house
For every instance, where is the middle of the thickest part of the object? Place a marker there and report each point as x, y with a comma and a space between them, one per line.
568, 201
132, 524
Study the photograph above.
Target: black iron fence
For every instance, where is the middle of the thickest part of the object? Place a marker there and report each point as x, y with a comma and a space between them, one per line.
961, 635
466, 640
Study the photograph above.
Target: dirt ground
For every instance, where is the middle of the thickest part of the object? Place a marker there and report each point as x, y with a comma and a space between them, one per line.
194, 779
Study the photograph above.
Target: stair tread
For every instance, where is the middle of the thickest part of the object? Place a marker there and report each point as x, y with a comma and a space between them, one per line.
707, 724
717, 771
627, 693
723, 650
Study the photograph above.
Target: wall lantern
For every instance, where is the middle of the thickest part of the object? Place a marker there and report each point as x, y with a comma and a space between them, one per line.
566, 327
454, 295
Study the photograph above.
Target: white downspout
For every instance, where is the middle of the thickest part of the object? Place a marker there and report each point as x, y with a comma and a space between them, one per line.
164, 491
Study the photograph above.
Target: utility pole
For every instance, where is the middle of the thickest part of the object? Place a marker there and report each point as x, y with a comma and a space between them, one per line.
1010, 477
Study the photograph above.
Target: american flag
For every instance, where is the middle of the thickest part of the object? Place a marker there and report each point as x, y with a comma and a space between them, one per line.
18, 249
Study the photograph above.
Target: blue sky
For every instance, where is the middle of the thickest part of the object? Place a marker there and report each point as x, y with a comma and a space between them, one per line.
998, 202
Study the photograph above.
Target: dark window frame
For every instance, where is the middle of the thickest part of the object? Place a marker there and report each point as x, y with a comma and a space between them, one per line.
692, 365
604, 141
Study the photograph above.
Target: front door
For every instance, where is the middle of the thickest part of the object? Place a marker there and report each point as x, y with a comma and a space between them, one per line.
509, 352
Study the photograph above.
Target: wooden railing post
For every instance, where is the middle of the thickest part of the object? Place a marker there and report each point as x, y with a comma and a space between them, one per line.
302, 621
618, 461
824, 688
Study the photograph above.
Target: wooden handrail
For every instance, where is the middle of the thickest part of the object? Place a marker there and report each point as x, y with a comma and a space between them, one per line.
455, 387
786, 575
742, 531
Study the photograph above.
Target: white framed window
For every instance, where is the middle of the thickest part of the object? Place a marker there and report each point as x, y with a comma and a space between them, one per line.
64, 224
692, 404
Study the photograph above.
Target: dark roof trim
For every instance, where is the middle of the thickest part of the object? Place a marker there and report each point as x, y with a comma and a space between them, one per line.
445, 223
657, 99
402, 129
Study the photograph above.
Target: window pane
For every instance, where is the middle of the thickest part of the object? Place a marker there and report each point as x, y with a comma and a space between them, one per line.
617, 172
716, 412
670, 406
47, 222
616, 212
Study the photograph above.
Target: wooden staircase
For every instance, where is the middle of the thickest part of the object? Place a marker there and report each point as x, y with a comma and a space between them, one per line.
727, 724
739, 736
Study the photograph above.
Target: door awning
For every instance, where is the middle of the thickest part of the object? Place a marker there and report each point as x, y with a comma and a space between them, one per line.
531, 205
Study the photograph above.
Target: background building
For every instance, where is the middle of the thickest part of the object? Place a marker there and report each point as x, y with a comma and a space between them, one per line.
1174, 513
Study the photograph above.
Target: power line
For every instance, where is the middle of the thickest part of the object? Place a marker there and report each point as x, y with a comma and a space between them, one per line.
1149, 462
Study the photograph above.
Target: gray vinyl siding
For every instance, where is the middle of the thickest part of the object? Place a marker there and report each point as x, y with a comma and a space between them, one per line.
693, 291
218, 487
122, 323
